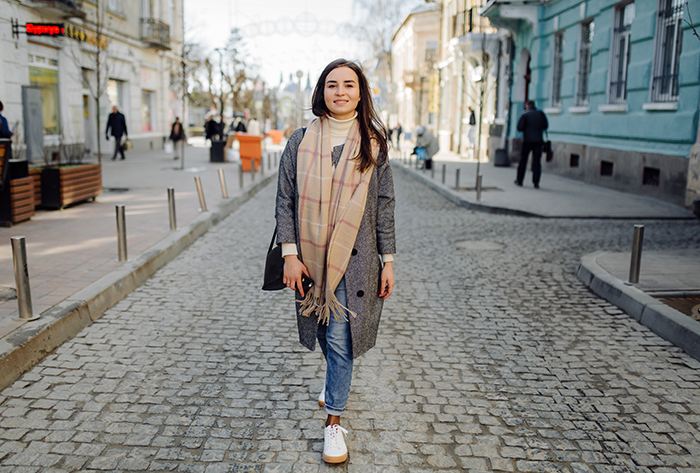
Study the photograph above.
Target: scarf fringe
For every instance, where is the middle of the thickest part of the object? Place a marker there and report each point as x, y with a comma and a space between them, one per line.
312, 305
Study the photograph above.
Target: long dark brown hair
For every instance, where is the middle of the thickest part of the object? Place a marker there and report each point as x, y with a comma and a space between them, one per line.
371, 127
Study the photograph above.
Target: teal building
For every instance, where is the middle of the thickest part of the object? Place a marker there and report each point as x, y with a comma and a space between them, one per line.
620, 84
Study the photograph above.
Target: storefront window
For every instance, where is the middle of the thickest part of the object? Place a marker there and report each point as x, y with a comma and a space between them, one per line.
146, 97
47, 81
114, 92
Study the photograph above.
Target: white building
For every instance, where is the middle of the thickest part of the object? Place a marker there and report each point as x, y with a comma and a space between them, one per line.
140, 45
414, 53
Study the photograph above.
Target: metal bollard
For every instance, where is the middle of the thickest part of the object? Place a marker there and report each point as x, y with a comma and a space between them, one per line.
252, 170
444, 171
478, 188
457, 179
432, 171
269, 161
262, 166
121, 232
240, 176
171, 209
222, 180
200, 193
24, 296
636, 260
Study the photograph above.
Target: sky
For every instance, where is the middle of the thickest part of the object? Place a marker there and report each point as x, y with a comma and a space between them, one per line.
280, 35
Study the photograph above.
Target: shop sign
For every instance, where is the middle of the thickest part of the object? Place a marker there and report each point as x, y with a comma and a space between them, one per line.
45, 29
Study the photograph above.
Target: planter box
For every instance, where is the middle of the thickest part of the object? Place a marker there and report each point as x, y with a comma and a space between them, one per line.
22, 192
35, 173
68, 185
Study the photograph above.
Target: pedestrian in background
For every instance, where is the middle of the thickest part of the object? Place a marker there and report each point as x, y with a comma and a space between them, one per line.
117, 123
5, 131
211, 129
399, 130
176, 135
532, 123
425, 140
335, 222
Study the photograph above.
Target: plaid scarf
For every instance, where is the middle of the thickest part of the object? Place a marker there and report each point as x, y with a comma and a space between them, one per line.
331, 205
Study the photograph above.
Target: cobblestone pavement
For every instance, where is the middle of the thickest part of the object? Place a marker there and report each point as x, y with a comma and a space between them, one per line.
491, 357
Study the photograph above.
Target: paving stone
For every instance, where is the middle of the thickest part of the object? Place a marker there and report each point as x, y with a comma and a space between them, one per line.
496, 360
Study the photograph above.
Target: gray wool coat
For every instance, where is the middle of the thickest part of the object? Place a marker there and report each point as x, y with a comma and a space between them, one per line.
374, 238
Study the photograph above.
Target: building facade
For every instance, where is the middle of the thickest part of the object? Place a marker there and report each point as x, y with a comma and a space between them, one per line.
470, 64
414, 53
108, 52
619, 83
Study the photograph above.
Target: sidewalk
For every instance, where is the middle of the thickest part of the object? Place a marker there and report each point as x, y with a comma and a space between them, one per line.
69, 251
666, 296
558, 197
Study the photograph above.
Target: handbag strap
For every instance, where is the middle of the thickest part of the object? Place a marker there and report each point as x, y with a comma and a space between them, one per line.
272, 242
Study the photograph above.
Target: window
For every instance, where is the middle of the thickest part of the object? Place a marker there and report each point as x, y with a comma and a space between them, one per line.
115, 93
664, 85
620, 53
146, 123
115, 5
584, 62
557, 68
47, 80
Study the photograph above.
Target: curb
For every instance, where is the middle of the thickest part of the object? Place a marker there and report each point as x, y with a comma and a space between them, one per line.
29, 344
457, 199
668, 323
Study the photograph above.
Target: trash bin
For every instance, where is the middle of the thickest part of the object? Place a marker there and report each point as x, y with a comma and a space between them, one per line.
276, 136
501, 158
250, 149
216, 152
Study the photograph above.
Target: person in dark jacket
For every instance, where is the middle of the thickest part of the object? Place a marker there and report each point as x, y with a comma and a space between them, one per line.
211, 129
176, 135
117, 123
532, 123
5, 131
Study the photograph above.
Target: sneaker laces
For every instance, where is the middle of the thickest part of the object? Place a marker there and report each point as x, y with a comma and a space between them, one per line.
334, 432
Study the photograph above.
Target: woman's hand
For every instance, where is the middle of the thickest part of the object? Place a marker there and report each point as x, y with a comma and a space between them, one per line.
293, 269
386, 281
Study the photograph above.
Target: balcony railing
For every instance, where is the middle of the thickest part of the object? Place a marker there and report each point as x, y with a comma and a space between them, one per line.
155, 33
63, 8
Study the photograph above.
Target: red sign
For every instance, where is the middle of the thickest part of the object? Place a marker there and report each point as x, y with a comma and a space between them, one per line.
45, 29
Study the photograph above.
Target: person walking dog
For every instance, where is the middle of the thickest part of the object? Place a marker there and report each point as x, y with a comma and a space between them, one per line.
532, 123
335, 222
117, 123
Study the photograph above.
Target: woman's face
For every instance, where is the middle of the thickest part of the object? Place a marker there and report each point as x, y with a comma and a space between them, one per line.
342, 93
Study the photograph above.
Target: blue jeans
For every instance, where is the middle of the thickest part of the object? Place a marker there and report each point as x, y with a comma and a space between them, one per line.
336, 344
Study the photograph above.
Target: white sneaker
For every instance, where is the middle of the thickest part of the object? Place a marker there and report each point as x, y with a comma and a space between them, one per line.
334, 449
322, 396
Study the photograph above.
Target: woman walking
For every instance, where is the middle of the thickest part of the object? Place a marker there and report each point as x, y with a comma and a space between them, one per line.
335, 222
177, 135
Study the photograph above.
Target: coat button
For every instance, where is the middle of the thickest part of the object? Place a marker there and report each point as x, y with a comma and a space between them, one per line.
360, 293
354, 251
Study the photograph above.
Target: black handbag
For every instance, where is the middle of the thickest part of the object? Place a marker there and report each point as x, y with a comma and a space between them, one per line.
547, 149
274, 267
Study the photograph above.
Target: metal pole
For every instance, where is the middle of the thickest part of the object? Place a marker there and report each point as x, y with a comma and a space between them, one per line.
269, 161
202, 203
222, 180
457, 180
171, 208
444, 170
24, 296
432, 170
262, 166
636, 260
121, 232
252, 169
240, 175
478, 188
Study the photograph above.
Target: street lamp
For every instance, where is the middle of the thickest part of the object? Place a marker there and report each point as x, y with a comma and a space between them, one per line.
221, 69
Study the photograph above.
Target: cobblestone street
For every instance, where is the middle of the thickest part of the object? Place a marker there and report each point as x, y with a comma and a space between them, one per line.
491, 356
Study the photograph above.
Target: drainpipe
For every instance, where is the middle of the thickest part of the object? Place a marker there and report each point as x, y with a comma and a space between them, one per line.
511, 59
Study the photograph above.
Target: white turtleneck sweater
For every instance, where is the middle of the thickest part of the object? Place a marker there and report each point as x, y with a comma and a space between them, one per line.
339, 133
